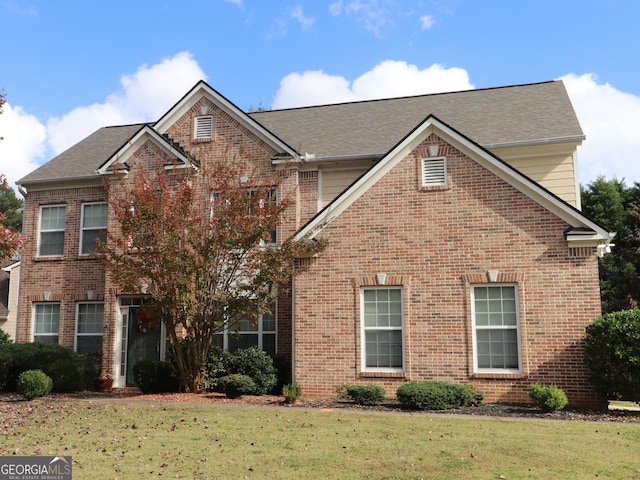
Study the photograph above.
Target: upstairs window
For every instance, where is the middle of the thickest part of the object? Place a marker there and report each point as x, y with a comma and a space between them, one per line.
434, 171
94, 226
203, 126
51, 239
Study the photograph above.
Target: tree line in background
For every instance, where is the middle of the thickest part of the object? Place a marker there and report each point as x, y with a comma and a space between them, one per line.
616, 206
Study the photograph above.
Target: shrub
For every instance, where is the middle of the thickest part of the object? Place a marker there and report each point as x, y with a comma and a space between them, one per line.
612, 353
92, 367
62, 364
252, 362
155, 377
236, 385
291, 392
436, 395
34, 383
4, 337
364, 394
550, 398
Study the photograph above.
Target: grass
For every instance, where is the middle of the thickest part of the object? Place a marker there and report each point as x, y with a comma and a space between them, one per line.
120, 440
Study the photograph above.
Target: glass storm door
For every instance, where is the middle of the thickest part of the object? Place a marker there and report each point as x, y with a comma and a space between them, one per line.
142, 343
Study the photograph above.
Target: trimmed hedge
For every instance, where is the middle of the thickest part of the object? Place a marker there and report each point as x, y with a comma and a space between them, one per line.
252, 362
63, 365
34, 383
155, 377
437, 395
236, 385
365, 394
550, 398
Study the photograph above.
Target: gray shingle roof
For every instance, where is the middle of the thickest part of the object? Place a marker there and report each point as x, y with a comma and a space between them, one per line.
497, 116
82, 159
540, 112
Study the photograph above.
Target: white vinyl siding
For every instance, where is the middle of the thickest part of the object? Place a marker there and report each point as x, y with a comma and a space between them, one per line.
496, 329
382, 329
51, 238
94, 226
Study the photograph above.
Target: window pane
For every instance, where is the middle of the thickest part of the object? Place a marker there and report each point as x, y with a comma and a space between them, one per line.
95, 216
46, 323
242, 341
53, 218
383, 349
89, 344
51, 243
90, 318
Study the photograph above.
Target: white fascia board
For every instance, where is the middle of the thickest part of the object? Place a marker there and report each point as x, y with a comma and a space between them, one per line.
432, 125
204, 89
127, 150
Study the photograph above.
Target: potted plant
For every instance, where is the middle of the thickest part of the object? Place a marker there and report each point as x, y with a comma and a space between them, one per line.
105, 382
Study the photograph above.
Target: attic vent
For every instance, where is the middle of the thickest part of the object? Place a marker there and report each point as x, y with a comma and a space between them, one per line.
434, 171
204, 126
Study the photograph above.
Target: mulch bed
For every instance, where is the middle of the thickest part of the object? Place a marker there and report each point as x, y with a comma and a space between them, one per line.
499, 410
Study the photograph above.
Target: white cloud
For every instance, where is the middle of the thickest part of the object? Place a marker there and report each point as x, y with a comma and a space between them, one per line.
305, 22
23, 145
387, 79
143, 96
610, 120
426, 22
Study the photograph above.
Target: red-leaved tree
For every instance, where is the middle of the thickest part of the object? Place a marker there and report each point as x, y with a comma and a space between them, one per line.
198, 242
10, 241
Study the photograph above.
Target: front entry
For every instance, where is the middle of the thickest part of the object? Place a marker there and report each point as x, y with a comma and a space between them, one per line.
141, 338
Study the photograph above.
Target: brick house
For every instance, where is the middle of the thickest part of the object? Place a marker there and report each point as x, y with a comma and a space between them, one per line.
456, 246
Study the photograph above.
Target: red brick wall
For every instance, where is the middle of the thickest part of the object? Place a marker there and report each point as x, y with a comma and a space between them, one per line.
67, 278
436, 244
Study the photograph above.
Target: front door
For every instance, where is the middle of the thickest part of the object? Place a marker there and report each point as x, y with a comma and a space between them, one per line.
142, 341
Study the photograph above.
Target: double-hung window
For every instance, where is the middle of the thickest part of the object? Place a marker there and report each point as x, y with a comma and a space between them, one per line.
382, 329
245, 334
46, 325
89, 324
51, 239
94, 226
496, 329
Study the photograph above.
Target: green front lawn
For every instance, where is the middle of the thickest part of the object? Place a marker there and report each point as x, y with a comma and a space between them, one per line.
137, 440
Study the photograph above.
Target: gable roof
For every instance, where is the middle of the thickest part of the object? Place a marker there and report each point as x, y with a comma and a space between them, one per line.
583, 231
513, 115
494, 117
81, 160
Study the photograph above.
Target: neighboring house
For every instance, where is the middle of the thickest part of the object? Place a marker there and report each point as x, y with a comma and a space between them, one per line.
456, 247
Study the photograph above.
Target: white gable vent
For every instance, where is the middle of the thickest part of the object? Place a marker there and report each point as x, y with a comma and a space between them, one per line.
204, 126
434, 171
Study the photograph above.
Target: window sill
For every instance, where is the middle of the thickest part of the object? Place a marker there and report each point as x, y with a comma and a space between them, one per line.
203, 140
499, 375
383, 374
434, 188
49, 259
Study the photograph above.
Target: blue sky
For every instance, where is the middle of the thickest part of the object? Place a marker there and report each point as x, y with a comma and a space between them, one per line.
69, 67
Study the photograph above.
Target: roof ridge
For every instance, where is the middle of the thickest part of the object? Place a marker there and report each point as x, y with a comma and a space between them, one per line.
372, 100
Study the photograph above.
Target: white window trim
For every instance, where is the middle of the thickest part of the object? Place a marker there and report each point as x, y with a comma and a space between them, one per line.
201, 126
433, 171
40, 230
77, 333
33, 330
474, 329
363, 329
83, 229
